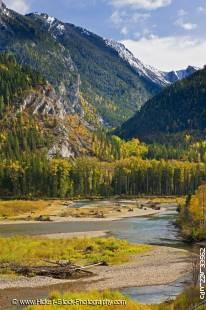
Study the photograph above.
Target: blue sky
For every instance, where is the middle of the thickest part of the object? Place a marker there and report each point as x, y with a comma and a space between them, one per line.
168, 34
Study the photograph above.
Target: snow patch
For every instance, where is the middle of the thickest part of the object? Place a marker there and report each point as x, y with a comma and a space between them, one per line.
50, 20
143, 70
84, 31
175, 76
55, 27
6, 12
61, 28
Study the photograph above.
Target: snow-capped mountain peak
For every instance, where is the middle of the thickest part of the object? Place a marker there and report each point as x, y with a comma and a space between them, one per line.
143, 70
55, 27
3, 9
177, 75
161, 78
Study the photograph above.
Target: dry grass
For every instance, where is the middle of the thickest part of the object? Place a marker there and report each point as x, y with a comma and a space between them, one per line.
175, 199
18, 207
28, 250
181, 200
96, 211
21, 209
24, 208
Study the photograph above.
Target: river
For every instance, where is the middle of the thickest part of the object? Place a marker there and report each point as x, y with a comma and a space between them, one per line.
158, 230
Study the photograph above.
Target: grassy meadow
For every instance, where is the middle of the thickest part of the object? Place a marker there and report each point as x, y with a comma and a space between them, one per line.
14, 208
32, 250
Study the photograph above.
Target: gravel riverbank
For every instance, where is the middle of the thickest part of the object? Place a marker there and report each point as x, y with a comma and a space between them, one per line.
162, 265
113, 217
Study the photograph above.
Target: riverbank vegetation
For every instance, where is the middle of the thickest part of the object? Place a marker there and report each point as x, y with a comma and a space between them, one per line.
114, 297
192, 218
33, 250
14, 208
59, 209
186, 300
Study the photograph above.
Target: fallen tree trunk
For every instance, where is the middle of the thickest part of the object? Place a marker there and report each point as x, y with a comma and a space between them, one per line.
57, 270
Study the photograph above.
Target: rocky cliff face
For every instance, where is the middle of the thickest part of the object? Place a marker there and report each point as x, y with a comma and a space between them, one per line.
70, 133
45, 101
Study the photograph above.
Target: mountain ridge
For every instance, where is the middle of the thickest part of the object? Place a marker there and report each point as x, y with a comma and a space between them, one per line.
174, 76
179, 108
75, 65
94, 59
80, 65
162, 78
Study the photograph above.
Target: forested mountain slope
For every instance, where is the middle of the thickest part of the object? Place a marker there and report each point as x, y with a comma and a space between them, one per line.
99, 79
113, 87
45, 152
180, 107
34, 121
92, 77
33, 116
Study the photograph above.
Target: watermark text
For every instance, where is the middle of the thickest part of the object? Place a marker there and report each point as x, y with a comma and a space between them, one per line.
202, 273
70, 302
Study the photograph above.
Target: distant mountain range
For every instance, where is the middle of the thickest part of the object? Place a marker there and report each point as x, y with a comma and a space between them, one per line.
98, 79
159, 77
179, 108
174, 76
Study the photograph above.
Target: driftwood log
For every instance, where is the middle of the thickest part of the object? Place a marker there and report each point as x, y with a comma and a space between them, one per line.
56, 270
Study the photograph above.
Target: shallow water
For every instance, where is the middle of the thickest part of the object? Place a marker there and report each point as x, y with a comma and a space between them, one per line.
158, 229
155, 294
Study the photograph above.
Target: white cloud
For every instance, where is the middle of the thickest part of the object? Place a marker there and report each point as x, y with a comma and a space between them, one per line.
117, 17
141, 4
124, 30
168, 53
79, 4
126, 21
185, 25
189, 26
120, 17
137, 17
201, 9
182, 12
21, 6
